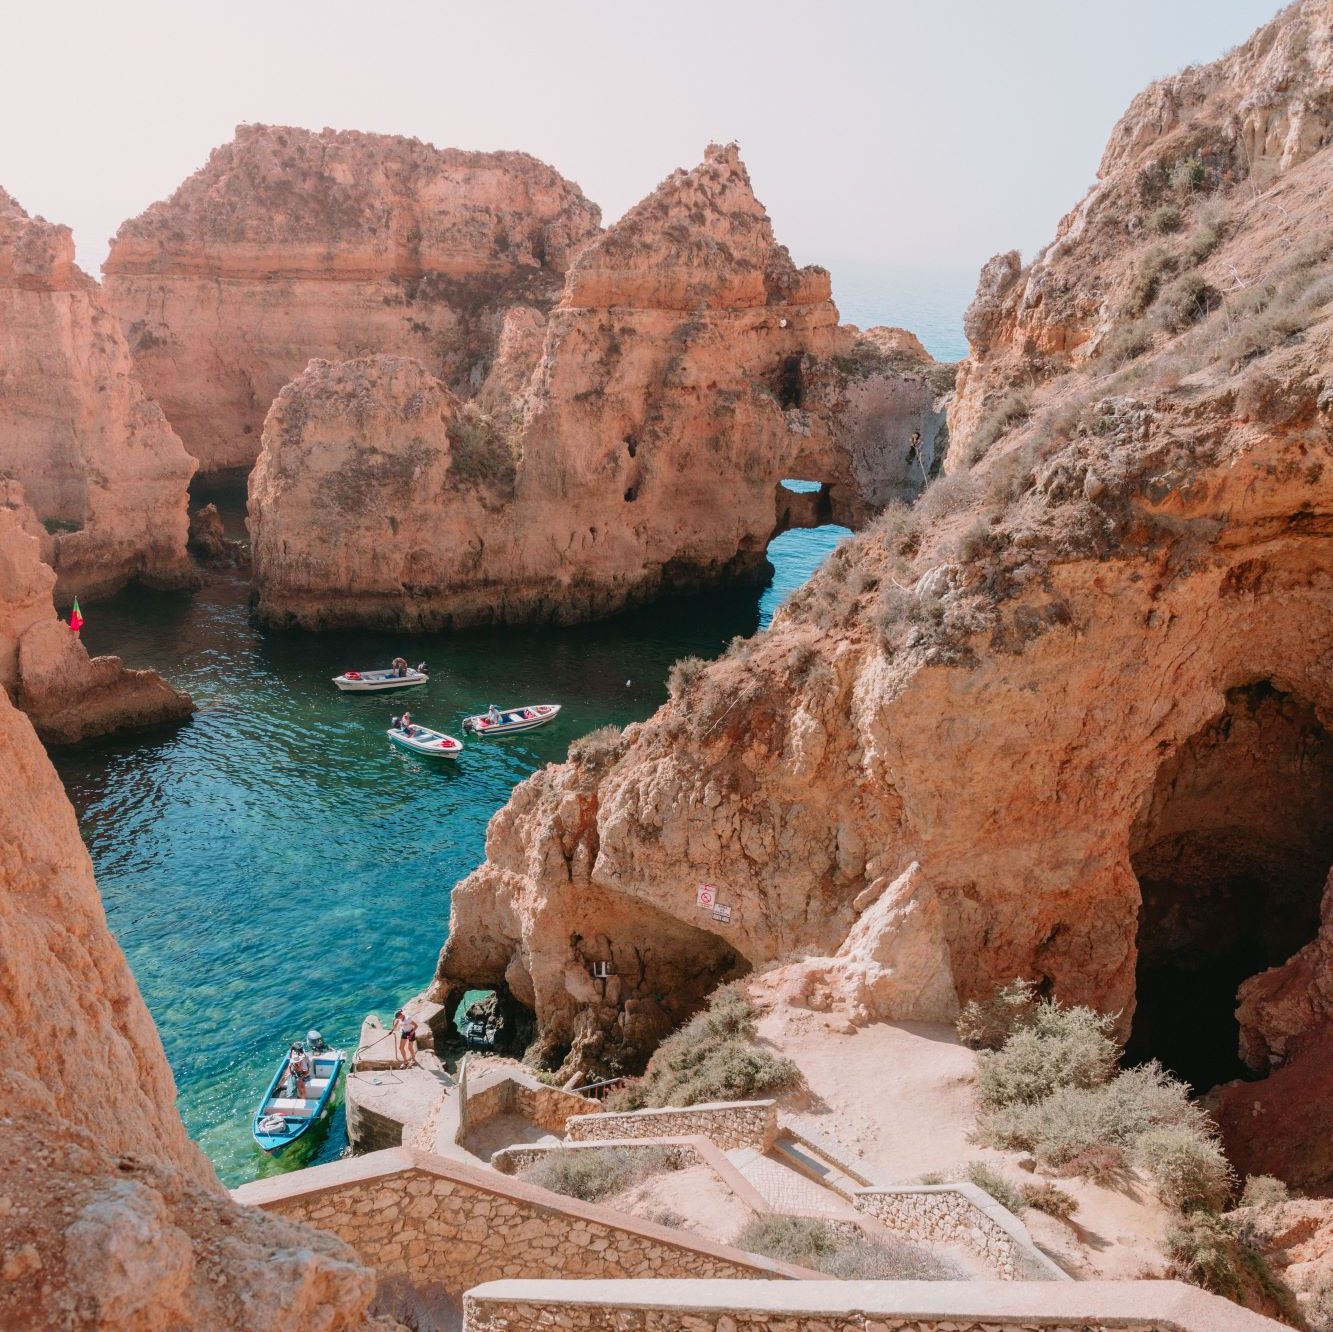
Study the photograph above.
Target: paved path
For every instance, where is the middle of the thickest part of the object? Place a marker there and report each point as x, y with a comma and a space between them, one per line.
785, 1190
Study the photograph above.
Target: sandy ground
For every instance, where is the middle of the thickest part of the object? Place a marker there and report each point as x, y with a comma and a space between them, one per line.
505, 1131
694, 1199
900, 1096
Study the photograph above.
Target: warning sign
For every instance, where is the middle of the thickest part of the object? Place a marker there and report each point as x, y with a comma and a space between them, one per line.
722, 914
706, 897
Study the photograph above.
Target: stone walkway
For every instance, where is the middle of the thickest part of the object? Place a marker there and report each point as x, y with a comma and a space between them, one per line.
785, 1190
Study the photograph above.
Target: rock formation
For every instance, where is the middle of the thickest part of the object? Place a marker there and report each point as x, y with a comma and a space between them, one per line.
1083, 685
110, 1218
289, 245
98, 462
46, 670
687, 369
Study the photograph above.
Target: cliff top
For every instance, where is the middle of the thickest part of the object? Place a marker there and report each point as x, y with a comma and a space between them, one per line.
700, 240
395, 204
36, 255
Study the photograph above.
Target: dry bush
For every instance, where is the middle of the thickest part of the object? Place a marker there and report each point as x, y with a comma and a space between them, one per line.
945, 495
598, 748
1184, 302
1124, 343
841, 1251
713, 1057
596, 1173
985, 1024
1164, 220
1013, 409
683, 674
1155, 263
1191, 1172
1043, 1196
479, 452
1262, 1190
1318, 1307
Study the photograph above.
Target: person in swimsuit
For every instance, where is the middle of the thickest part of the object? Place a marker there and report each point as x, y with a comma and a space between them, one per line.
405, 724
406, 1027
400, 667
298, 1068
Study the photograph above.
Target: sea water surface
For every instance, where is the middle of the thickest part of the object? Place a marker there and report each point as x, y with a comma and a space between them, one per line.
275, 864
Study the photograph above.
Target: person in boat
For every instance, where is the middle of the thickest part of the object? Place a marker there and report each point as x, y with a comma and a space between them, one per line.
298, 1068
493, 714
400, 667
405, 724
406, 1027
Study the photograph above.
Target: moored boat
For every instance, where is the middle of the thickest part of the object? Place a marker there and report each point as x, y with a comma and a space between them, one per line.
377, 682
422, 740
281, 1119
507, 721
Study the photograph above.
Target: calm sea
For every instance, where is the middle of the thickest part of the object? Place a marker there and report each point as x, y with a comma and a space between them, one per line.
276, 864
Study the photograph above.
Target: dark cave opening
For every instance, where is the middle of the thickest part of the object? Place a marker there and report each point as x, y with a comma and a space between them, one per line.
1231, 852
790, 383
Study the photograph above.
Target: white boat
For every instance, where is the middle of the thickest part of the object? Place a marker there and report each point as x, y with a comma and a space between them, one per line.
422, 740
373, 682
510, 720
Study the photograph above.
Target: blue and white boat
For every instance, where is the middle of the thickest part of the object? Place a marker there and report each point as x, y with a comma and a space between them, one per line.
422, 740
509, 721
282, 1119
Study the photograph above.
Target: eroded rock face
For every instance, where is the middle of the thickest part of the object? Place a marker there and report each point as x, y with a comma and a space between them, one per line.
110, 1218
46, 670
1084, 688
99, 464
289, 245
688, 368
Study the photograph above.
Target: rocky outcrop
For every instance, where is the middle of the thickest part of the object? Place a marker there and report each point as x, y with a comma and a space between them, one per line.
1083, 686
688, 368
98, 462
289, 245
1184, 151
110, 1218
46, 670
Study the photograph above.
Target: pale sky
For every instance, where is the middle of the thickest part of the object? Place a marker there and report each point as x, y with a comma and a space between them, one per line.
926, 134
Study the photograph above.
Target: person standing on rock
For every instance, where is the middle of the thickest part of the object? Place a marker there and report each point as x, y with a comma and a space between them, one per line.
406, 1027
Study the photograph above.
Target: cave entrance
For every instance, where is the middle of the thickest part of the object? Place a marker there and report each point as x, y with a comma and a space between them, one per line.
492, 1021
1231, 852
789, 383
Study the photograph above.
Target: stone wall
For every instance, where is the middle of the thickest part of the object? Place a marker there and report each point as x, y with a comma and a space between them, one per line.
852, 1306
729, 1124
961, 1214
676, 1155
446, 1225
488, 1093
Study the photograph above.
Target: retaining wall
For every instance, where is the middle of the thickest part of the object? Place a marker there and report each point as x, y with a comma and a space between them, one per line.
853, 1306
444, 1224
729, 1124
961, 1214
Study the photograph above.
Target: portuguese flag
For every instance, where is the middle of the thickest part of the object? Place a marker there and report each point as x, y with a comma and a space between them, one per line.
75, 618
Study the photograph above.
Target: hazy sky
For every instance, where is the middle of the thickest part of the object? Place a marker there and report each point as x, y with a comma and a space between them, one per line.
906, 132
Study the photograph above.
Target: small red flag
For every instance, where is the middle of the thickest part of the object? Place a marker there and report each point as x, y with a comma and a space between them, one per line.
75, 618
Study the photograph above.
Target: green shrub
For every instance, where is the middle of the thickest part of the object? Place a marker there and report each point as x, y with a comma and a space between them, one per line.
841, 1251
1188, 175
1261, 1190
1154, 264
713, 1057
1187, 1163
985, 1024
1043, 1196
479, 454
57, 526
596, 1173
1124, 343
999, 1188
1072, 1121
1211, 1252
1165, 219
1059, 1048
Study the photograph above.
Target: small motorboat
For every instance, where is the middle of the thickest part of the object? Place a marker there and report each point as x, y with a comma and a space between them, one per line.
422, 740
511, 720
376, 682
280, 1119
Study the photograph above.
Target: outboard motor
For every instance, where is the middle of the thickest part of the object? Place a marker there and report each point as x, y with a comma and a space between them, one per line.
421, 667
315, 1041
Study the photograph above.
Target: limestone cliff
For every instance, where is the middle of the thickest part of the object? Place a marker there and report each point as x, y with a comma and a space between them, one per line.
99, 464
46, 670
110, 1218
631, 442
289, 245
1067, 718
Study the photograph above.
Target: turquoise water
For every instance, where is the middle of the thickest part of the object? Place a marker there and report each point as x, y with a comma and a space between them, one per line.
276, 864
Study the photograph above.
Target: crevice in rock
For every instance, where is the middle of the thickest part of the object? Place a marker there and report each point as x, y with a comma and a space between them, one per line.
1231, 852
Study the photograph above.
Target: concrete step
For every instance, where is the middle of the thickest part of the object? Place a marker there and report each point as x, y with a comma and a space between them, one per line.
814, 1165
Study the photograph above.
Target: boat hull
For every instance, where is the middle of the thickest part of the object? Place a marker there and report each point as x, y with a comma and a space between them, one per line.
378, 682
425, 743
525, 718
328, 1068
